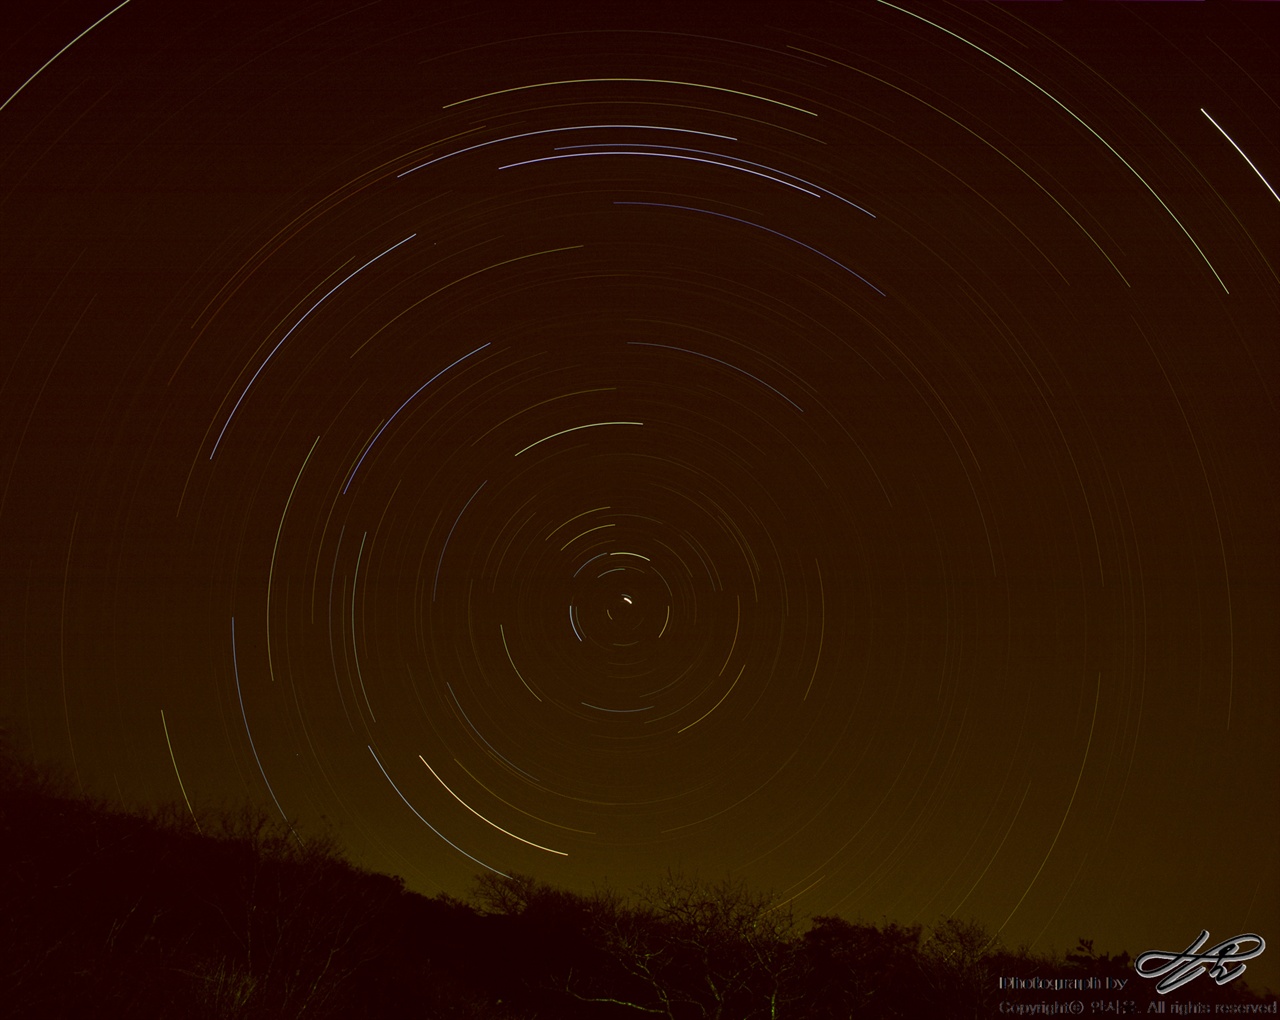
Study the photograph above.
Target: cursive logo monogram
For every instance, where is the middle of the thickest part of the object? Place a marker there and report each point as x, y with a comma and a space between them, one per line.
1176, 969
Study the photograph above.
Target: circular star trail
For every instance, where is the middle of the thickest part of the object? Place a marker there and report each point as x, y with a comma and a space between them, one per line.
827, 446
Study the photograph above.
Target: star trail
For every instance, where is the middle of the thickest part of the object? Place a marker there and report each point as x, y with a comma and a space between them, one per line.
829, 444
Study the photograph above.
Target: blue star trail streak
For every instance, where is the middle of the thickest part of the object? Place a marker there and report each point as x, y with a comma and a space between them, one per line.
770, 230
280, 342
383, 428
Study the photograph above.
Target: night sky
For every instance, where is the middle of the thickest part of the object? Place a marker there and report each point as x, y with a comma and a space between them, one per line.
831, 445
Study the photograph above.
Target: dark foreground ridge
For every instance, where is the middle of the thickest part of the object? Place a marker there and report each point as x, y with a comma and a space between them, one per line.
107, 914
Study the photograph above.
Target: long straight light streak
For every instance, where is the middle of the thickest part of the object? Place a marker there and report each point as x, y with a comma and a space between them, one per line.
464, 715
276, 547
593, 425
1097, 695
351, 477
235, 669
664, 155
427, 823
330, 630
584, 513
515, 807
822, 630
598, 556
453, 283
770, 230
586, 563
173, 759
999, 152
1217, 521
699, 354
440, 562
355, 641
734, 643
62, 649
513, 662
718, 703
482, 817
1074, 116
250, 383
61, 52
573, 127
1241, 151
955, 912
724, 155
598, 527
647, 81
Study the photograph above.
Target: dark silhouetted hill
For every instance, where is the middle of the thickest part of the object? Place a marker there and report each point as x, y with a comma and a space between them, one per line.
109, 914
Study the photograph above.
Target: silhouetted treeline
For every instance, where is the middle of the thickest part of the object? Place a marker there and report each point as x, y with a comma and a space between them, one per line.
109, 914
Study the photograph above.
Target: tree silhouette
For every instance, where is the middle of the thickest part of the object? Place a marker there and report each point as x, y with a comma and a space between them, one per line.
104, 913
862, 970
706, 950
1083, 957
957, 961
